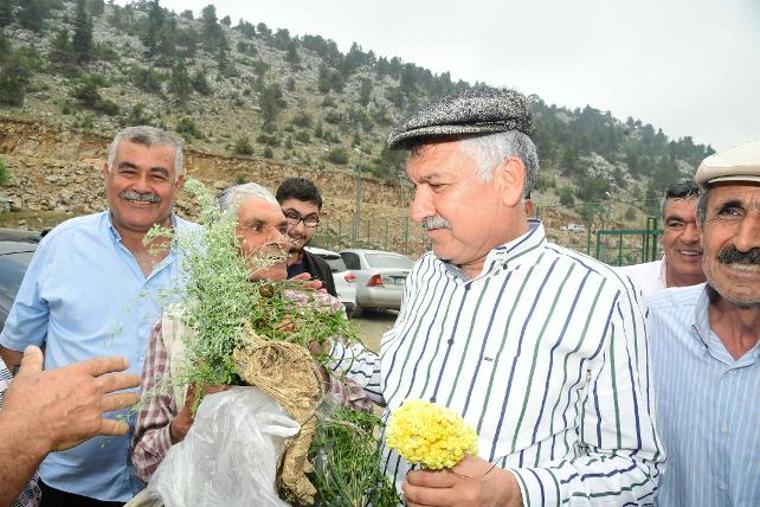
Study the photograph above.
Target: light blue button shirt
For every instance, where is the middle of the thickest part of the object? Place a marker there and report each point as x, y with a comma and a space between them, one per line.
708, 406
84, 295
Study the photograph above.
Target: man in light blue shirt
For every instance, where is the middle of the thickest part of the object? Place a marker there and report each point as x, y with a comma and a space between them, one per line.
92, 289
705, 352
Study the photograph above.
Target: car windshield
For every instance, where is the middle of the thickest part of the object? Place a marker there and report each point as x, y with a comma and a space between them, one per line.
382, 260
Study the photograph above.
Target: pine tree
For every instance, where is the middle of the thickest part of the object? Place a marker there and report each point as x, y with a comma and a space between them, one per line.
97, 7
62, 51
33, 14
14, 79
6, 13
82, 38
180, 85
292, 55
213, 37
271, 103
366, 92
156, 17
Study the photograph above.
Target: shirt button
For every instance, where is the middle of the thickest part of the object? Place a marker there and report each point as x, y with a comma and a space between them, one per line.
722, 486
724, 428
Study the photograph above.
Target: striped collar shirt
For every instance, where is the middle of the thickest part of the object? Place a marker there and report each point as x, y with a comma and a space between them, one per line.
707, 405
544, 353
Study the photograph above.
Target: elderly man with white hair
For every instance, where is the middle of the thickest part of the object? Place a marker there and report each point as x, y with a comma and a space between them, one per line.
90, 290
705, 352
167, 417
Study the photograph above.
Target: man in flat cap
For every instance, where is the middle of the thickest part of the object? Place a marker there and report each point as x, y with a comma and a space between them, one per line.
704, 346
541, 349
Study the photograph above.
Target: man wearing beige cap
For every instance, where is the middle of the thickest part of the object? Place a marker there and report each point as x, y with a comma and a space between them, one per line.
541, 349
704, 346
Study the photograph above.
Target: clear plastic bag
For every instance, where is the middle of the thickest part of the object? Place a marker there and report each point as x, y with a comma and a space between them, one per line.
230, 456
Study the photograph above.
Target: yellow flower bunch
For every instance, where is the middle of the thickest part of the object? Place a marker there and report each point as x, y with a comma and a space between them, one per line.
430, 435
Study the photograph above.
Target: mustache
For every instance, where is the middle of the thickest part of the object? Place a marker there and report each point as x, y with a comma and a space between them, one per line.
730, 255
133, 195
435, 222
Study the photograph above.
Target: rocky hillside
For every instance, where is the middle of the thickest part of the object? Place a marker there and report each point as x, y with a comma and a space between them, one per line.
254, 96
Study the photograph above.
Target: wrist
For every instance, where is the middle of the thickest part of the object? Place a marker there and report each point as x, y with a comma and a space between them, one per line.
19, 438
511, 494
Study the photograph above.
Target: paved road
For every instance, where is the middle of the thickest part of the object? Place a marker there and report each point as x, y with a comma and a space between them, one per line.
372, 325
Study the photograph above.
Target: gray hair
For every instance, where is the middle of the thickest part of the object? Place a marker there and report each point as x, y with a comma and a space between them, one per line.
148, 136
704, 195
491, 149
233, 196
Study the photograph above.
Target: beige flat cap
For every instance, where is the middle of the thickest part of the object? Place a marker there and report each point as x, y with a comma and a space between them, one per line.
740, 163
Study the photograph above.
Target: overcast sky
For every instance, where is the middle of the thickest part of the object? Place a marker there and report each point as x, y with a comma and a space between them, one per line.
690, 67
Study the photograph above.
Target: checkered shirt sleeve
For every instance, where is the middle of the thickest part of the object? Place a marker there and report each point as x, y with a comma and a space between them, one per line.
152, 439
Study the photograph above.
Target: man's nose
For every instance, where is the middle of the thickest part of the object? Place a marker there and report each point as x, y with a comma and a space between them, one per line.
690, 233
422, 205
748, 235
141, 183
297, 229
279, 239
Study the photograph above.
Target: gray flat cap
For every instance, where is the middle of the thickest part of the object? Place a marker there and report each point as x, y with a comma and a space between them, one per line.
470, 112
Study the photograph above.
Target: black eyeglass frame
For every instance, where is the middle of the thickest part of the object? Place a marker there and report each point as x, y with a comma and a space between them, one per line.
308, 221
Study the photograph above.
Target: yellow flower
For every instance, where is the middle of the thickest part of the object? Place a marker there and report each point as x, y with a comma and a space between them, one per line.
430, 435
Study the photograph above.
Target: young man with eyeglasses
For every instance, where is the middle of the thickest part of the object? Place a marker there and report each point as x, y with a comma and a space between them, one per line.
681, 264
301, 203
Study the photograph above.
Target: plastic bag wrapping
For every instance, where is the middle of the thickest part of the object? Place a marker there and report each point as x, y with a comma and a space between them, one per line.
230, 456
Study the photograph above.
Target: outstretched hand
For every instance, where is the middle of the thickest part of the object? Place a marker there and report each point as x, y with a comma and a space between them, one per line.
65, 406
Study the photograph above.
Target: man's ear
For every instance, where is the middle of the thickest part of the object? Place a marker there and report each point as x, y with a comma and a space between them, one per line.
180, 182
105, 171
509, 178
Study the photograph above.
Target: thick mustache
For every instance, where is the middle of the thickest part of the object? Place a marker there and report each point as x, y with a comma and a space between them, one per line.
730, 255
133, 195
435, 222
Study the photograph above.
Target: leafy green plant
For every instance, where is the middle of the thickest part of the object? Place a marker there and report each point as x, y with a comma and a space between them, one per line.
188, 129
338, 155
243, 146
220, 303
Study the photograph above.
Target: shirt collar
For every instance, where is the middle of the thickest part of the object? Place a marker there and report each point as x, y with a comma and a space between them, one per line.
513, 252
712, 342
116, 235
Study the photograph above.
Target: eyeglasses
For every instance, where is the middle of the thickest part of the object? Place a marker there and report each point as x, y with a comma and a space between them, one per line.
682, 190
308, 221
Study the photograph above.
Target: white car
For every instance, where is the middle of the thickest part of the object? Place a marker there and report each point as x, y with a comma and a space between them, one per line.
344, 279
380, 277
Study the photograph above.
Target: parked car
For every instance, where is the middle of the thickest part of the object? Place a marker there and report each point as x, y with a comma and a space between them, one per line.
16, 250
345, 280
380, 277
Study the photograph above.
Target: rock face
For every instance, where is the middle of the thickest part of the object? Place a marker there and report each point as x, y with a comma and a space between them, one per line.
58, 171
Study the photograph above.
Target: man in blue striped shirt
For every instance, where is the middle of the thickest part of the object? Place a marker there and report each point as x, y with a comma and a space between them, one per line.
705, 352
541, 349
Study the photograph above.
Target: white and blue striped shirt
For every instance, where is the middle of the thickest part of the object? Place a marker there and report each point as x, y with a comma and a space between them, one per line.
544, 353
708, 406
